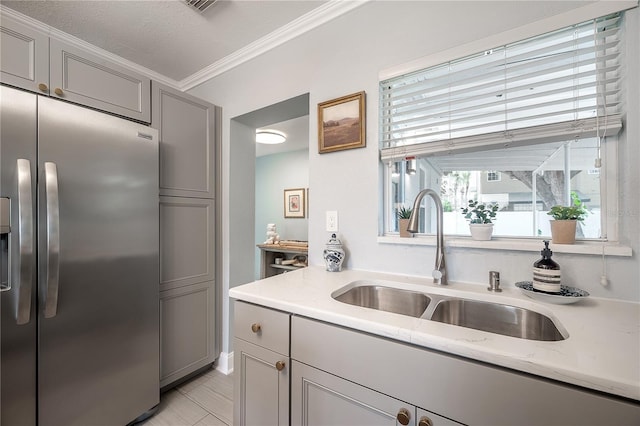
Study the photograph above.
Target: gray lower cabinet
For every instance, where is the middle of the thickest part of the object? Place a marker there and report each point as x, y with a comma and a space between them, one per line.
261, 391
455, 388
261, 366
186, 330
320, 398
33, 61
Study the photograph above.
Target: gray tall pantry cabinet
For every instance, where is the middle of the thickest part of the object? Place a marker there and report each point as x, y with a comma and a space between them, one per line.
187, 132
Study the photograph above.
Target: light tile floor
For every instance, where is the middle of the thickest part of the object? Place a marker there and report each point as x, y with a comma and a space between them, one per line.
205, 400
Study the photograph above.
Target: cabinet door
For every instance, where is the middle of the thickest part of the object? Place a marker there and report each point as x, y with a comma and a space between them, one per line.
186, 331
186, 128
24, 56
319, 398
261, 391
81, 77
187, 234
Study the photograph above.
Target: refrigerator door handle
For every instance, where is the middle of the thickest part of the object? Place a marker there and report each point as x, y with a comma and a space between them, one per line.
24, 266
53, 240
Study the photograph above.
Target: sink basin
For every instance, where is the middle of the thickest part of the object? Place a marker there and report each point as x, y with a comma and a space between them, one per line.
496, 318
389, 299
506, 320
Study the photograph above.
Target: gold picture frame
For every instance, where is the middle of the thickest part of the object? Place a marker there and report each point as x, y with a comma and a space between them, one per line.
294, 203
341, 123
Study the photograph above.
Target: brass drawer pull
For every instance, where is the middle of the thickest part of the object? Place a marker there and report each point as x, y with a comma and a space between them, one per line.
280, 365
58, 91
425, 421
256, 327
43, 87
403, 416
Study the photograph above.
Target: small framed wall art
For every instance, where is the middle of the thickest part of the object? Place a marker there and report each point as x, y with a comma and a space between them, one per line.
341, 123
294, 203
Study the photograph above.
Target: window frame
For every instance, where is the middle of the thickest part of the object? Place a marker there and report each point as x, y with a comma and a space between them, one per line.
609, 149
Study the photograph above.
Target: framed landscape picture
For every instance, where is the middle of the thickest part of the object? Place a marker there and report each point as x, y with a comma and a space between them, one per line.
294, 203
341, 123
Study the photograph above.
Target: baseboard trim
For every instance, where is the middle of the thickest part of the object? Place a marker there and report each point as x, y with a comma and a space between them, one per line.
225, 363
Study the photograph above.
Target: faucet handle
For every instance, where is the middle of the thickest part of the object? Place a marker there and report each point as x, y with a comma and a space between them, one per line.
494, 281
437, 276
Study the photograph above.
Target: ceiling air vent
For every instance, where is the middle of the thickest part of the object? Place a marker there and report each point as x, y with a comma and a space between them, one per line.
201, 5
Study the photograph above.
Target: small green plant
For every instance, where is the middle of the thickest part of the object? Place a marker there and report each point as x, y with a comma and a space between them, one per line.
574, 212
478, 213
404, 212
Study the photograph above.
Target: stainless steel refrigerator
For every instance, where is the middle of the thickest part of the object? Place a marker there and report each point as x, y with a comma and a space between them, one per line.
80, 265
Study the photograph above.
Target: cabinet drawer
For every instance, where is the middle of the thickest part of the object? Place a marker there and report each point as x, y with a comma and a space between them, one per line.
262, 326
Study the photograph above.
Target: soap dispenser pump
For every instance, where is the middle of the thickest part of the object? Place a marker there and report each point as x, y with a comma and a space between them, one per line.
546, 272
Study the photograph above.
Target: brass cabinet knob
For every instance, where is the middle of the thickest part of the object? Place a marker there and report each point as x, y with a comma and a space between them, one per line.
425, 421
43, 87
58, 91
256, 327
403, 416
280, 365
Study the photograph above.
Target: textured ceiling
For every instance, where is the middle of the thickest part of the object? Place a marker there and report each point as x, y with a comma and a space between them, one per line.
167, 37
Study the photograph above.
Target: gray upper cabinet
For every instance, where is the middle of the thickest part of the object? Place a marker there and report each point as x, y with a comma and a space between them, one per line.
24, 57
33, 61
187, 132
86, 79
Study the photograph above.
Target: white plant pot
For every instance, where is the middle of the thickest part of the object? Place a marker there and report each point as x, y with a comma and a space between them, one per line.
481, 231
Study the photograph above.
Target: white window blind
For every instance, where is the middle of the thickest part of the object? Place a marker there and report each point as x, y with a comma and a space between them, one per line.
558, 86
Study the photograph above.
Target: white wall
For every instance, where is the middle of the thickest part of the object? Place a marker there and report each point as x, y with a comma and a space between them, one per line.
274, 174
346, 56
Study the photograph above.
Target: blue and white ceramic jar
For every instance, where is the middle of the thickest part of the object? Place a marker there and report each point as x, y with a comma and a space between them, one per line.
334, 254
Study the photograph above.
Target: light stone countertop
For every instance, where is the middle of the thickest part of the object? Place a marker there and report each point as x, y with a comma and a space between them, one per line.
602, 351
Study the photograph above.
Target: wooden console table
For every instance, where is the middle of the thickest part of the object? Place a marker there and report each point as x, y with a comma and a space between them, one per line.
269, 253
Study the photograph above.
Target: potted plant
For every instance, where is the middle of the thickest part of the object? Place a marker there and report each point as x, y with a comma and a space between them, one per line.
479, 216
565, 219
404, 213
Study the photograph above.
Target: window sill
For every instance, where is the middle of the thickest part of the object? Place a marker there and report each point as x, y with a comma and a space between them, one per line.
515, 244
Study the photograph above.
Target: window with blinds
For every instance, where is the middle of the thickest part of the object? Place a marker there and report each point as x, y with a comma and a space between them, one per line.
525, 126
560, 85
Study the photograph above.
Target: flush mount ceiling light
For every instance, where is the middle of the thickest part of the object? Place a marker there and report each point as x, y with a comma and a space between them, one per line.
270, 137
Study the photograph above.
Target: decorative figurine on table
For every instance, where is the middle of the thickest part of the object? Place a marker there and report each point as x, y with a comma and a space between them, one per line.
272, 235
334, 254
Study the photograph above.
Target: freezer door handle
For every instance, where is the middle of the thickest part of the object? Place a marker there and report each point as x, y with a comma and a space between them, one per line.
24, 264
53, 240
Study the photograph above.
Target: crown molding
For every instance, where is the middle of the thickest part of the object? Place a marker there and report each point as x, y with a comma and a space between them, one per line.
307, 22
6, 12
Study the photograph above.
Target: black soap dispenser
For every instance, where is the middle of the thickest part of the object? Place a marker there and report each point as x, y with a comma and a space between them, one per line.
546, 272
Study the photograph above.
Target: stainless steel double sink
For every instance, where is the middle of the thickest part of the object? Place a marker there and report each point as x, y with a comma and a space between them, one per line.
496, 318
